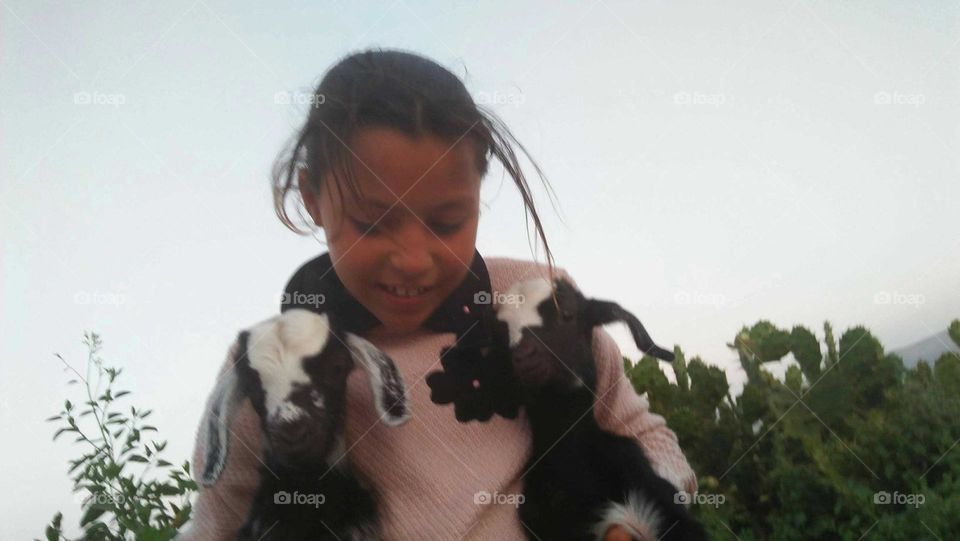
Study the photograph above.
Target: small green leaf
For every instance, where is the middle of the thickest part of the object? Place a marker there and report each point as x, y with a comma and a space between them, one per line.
93, 513
168, 490
62, 430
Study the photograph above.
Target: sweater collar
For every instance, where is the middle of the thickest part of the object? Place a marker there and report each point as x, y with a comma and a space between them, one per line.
315, 286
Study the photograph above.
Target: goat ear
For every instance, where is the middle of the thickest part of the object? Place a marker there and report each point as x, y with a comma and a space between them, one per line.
603, 312
227, 397
389, 392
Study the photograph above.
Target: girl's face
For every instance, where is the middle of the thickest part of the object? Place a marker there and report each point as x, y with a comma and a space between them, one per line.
423, 197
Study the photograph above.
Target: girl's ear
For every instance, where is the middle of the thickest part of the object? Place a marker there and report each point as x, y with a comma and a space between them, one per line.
310, 196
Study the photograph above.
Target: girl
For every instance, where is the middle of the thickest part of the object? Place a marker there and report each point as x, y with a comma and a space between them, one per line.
389, 165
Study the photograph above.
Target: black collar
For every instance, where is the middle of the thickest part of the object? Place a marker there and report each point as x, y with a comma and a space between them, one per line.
315, 286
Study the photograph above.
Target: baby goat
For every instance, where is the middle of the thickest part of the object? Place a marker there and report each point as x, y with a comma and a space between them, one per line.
294, 369
581, 480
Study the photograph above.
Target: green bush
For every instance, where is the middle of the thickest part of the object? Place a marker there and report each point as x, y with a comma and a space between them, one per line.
128, 491
850, 445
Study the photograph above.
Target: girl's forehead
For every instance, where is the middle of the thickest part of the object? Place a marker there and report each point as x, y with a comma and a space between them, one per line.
388, 163
435, 204
431, 193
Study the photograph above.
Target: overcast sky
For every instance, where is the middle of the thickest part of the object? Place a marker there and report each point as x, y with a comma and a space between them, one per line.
715, 164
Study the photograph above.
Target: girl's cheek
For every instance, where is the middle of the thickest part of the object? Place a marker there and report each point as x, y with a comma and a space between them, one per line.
339, 232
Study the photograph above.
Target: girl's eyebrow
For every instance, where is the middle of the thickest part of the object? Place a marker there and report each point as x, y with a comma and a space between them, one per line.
453, 204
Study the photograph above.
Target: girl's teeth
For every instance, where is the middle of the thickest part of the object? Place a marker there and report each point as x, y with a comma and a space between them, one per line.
404, 292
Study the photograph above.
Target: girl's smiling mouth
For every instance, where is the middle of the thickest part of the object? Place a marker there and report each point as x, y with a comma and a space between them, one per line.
405, 296
406, 290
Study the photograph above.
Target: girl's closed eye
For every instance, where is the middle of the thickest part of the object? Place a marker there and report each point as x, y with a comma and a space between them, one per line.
364, 228
442, 228
380, 221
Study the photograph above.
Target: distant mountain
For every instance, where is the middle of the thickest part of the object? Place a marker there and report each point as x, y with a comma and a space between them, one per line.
928, 349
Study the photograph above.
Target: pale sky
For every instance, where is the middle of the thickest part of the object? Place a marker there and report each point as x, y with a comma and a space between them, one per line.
715, 164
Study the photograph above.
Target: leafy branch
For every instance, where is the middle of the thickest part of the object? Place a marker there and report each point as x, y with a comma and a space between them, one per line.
126, 489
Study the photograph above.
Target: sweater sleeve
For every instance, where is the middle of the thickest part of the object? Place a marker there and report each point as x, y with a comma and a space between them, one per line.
619, 409
219, 511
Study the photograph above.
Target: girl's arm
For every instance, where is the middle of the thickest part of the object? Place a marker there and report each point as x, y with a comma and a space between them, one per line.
219, 511
621, 410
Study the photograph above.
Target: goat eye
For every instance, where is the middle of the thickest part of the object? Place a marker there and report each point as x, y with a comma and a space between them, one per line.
335, 369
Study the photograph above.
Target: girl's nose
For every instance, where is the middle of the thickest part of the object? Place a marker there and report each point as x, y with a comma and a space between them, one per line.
411, 264
411, 255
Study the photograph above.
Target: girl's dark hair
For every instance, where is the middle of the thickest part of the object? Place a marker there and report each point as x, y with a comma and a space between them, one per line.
403, 91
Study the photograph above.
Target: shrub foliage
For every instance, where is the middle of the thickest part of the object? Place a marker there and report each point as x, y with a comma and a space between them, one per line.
126, 489
850, 445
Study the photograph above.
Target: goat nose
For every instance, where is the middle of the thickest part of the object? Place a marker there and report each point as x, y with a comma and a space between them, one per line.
292, 433
525, 349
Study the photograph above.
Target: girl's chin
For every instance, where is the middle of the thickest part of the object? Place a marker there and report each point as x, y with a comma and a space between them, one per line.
393, 328
401, 319
405, 321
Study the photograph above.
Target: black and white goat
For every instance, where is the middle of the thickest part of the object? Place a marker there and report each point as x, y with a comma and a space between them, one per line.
294, 370
581, 480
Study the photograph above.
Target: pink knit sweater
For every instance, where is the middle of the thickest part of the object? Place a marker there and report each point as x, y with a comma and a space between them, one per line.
428, 471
